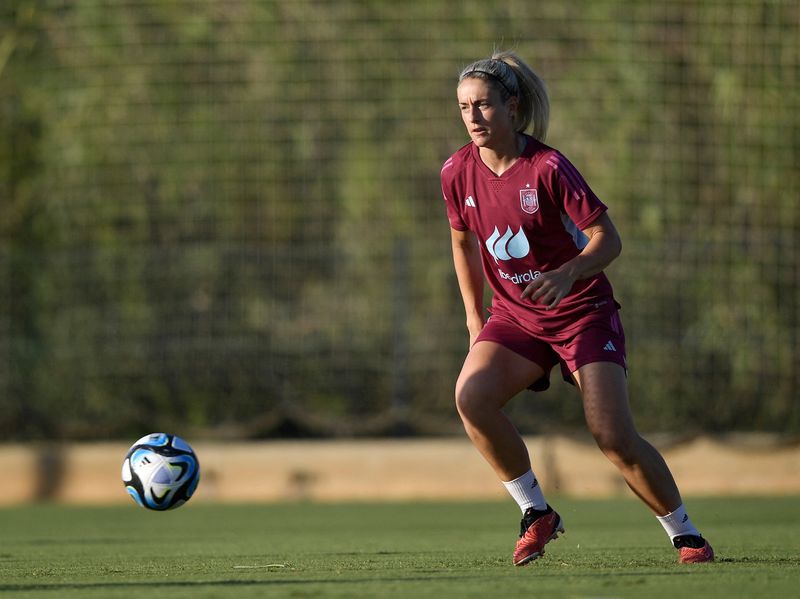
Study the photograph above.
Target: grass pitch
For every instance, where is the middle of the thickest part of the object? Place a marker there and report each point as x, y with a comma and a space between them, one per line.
611, 549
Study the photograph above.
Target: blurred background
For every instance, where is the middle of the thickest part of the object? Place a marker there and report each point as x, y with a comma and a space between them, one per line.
223, 218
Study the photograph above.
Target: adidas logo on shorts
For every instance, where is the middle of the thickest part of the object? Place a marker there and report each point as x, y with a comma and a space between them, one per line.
609, 347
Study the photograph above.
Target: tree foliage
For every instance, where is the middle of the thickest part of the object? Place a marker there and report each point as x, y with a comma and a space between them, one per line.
226, 216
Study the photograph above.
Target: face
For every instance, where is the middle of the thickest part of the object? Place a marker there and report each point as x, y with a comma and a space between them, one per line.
489, 121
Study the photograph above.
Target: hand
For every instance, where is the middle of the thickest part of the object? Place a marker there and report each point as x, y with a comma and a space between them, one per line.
474, 329
549, 288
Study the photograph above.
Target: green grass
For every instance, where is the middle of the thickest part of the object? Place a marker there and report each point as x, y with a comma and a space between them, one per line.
441, 550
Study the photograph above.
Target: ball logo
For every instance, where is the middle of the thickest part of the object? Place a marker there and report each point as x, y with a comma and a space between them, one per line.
529, 200
160, 471
509, 245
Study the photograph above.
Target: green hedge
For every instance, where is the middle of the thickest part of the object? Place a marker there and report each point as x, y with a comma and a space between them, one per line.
225, 216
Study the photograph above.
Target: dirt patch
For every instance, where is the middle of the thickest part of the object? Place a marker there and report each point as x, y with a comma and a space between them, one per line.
376, 470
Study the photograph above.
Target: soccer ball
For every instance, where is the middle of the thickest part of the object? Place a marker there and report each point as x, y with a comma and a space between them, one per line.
160, 471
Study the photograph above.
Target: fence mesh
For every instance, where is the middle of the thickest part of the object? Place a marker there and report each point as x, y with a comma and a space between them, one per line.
226, 217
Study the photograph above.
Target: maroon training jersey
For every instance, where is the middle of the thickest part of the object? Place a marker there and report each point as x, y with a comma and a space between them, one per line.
528, 221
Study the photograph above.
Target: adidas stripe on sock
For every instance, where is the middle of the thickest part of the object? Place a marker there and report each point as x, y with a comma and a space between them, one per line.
526, 492
677, 523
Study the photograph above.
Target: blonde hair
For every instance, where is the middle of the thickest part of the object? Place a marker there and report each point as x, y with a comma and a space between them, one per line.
515, 78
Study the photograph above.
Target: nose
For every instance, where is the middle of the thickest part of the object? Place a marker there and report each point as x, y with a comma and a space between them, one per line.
475, 114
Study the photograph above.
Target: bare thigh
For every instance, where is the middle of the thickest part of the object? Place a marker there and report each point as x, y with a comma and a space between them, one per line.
495, 374
604, 388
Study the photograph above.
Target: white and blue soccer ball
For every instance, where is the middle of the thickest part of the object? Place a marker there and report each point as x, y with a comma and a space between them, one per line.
160, 471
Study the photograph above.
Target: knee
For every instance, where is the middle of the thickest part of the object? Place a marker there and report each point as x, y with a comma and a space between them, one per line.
472, 399
619, 446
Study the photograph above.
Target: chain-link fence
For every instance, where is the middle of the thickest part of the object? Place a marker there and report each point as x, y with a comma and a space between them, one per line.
226, 216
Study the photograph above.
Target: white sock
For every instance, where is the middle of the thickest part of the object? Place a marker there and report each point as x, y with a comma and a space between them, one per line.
526, 492
677, 523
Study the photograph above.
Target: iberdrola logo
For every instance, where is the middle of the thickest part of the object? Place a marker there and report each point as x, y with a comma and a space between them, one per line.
509, 245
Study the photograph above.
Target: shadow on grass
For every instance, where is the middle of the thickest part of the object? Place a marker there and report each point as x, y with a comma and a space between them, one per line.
136, 585
754, 559
87, 586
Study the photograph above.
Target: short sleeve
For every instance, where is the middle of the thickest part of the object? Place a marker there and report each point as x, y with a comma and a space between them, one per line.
574, 196
449, 195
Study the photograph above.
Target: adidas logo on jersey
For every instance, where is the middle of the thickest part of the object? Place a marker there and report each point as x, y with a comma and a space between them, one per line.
470, 201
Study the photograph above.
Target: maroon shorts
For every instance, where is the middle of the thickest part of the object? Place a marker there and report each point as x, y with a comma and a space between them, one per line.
598, 340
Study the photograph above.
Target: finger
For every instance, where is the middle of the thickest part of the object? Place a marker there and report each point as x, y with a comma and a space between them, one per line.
541, 293
531, 288
555, 301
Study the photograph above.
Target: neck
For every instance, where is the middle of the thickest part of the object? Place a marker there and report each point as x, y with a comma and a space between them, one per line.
501, 157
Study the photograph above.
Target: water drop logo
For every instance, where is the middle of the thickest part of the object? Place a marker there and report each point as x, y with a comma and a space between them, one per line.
509, 245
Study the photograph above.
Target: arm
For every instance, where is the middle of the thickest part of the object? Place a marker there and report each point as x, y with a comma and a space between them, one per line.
469, 272
603, 247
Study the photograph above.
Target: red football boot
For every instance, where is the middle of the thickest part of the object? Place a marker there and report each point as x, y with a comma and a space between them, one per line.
538, 527
693, 549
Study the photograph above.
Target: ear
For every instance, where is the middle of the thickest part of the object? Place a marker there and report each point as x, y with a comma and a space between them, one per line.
512, 104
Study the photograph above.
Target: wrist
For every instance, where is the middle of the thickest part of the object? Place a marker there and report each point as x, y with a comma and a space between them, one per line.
475, 323
572, 269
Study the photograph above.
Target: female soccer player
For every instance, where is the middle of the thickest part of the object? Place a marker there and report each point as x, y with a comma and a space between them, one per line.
523, 217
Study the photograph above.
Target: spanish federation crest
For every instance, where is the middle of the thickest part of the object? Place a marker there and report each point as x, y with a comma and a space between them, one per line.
529, 200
